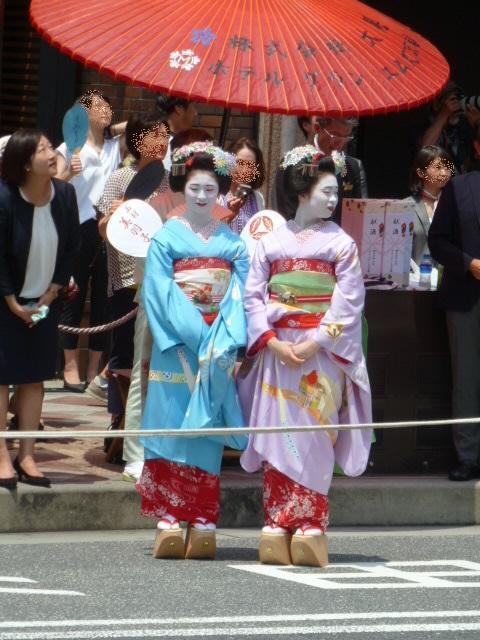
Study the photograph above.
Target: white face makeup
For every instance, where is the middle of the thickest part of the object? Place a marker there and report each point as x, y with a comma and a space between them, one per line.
321, 202
201, 191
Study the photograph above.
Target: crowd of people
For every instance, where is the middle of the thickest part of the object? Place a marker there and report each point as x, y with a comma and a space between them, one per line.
220, 338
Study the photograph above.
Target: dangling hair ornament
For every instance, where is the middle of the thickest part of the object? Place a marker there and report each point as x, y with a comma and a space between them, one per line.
224, 162
338, 158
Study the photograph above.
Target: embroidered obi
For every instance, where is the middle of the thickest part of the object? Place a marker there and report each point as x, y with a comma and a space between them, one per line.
304, 285
204, 281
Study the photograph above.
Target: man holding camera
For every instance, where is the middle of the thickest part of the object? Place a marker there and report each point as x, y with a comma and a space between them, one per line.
451, 126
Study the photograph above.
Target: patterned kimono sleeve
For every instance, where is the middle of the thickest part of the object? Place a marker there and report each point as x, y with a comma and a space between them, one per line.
340, 331
259, 328
241, 263
172, 318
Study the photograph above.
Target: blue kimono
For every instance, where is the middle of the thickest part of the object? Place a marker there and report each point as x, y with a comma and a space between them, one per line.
191, 383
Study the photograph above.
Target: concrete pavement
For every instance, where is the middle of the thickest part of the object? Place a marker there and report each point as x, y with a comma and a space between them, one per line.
395, 585
88, 493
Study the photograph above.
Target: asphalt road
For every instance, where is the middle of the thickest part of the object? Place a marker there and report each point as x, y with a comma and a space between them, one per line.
415, 584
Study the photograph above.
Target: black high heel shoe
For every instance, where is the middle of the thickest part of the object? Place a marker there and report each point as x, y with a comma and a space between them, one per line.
74, 387
8, 483
35, 481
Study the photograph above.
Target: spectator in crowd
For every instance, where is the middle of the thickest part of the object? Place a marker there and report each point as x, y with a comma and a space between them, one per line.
88, 172
454, 242
431, 170
39, 232
327, 135
244, 198
146, 137
333, 134
180, 114
450, 127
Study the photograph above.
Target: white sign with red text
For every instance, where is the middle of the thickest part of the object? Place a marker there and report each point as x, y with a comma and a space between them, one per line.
132, 227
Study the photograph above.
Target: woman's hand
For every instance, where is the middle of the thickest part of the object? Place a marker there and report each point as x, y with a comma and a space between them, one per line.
102, 226
306, 349
284, 351
235, 204
47, 298
114, 206
75, 165
24, 314
102, 223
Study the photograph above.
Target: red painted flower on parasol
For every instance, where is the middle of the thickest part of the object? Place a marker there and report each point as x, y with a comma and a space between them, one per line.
336, 57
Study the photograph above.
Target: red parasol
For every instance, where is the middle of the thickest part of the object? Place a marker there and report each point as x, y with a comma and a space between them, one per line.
335, 57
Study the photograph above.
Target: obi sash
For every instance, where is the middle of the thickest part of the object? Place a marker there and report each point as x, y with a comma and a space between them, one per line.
204, 281
305, 288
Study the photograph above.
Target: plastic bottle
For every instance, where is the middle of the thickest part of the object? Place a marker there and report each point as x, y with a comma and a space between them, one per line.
426, 272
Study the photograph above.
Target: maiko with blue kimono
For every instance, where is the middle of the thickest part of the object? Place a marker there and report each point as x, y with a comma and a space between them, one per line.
193, 296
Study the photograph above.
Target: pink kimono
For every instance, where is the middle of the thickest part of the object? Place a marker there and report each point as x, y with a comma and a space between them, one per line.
305, 284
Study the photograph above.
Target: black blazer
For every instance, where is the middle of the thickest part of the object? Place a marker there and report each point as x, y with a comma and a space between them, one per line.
16, 221
352, 185
454, 240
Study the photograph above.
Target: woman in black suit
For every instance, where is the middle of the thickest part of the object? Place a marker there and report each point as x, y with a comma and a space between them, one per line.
39, 232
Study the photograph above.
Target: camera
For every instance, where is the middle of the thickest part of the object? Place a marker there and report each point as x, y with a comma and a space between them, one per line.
243, 191
469, 101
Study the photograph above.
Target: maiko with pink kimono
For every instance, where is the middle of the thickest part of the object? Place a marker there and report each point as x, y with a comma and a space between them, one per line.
304, 299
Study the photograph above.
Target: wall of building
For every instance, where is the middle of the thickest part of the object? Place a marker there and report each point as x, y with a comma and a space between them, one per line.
127, 99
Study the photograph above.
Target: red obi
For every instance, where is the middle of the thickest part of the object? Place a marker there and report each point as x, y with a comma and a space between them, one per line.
299, 321
186, 264
302, 264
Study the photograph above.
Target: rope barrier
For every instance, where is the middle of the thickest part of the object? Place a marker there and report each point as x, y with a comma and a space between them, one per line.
235, 431
101, 327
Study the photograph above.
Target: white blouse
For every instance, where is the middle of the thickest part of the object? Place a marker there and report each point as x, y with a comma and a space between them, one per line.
42, 255
96, 169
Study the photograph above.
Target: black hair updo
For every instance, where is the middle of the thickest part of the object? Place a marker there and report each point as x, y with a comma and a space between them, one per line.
298, 181
199, 162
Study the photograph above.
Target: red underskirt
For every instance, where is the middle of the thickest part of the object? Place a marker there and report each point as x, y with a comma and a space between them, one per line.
290, 505
180, 490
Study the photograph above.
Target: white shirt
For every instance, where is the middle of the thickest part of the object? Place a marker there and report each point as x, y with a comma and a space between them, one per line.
97, 168
42, 255
167, 161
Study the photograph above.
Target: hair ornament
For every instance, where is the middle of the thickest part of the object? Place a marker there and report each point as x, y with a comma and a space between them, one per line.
224, 162
301, 156
338, 158
307, 157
